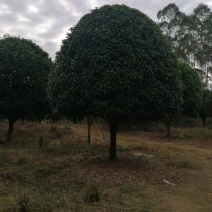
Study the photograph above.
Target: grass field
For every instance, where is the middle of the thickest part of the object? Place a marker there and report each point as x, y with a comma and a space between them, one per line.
52, 168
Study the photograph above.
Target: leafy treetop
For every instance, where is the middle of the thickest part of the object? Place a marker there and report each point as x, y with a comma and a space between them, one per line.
115, 61
24, 69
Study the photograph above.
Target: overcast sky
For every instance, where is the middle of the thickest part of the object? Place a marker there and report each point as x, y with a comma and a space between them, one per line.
46, 22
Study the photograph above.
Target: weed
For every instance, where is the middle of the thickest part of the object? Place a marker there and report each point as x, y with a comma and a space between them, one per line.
8, 175
40, 168
3, 158
21, 161
40, 141
46, 208
43, 143
141, 148
22, 203
56, 131
123, 149
92, 194
53, 128
67, 129
126, 190
188, 135
65, 147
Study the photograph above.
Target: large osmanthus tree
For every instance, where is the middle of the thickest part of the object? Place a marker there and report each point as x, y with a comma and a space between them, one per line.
24, 70
113, 63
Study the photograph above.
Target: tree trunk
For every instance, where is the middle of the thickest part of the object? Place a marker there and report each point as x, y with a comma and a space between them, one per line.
113, 128
168, 129
10, 129
89, 128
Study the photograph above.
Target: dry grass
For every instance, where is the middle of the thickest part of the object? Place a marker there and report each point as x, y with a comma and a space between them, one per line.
51, 168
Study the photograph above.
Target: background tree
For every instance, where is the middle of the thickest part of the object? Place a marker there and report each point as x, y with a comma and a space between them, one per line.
191, 35
192, 90
173, 24
208, 104
24, 69
202, 17
115, 62
206, 109
192, 93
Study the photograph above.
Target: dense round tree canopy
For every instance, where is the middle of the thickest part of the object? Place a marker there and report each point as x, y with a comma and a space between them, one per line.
114, 62
24, 69
192, 90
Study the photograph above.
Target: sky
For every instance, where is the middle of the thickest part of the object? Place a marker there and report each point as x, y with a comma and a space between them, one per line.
46, 22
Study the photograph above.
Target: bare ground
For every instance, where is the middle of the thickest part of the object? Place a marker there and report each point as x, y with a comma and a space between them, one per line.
54, 168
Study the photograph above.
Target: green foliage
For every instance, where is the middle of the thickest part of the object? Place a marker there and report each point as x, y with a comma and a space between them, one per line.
115, 61
192, 90
24, 69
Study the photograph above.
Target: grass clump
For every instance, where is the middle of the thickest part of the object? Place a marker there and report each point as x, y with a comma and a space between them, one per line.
21, 161
180, 164
67, 129
56, 131
123, 149
3, 158
43, 143
200, 134
22, 203
92, 194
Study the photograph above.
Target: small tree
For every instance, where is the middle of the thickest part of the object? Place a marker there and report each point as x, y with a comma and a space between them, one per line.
115, 62
24, 69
